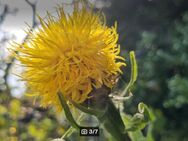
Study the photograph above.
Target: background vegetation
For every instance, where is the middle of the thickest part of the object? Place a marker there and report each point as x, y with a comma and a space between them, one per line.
158, 31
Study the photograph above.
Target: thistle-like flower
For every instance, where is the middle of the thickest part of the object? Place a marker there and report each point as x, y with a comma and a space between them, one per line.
72, 54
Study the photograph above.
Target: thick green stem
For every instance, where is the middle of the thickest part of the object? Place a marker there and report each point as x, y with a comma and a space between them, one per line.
113, 123
109, 115
104, 109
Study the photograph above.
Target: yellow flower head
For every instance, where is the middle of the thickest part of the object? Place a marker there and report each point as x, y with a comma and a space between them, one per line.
72, 54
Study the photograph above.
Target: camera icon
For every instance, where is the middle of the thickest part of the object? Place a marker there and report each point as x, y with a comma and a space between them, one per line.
84, 131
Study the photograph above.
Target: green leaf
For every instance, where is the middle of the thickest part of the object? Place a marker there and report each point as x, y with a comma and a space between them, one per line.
137, 123
67, 111
134, 135
134, 73
90, 110
140, 119
148, 115
71, 129
149, 136
137, 135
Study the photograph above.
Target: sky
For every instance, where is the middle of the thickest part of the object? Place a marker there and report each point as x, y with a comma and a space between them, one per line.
16, 23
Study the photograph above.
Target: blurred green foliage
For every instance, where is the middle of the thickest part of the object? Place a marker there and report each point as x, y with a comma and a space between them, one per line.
20, 120
158, 31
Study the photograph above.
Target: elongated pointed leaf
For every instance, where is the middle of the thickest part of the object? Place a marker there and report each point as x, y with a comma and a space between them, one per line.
67, 111
134, 72
91, 111
134, 68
